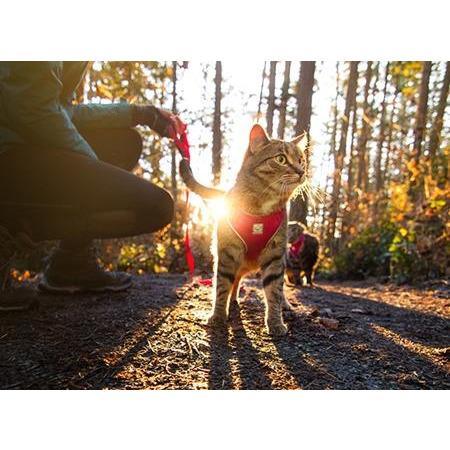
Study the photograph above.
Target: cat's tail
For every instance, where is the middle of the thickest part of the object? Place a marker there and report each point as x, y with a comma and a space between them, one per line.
193, 185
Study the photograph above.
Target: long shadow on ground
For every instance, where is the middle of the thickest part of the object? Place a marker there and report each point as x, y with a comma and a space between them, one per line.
74, 341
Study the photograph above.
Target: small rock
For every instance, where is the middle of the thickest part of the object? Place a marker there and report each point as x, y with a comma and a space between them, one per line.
361, 311
332, 324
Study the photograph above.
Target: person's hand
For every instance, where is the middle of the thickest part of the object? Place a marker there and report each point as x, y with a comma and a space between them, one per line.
165, 123
175, 126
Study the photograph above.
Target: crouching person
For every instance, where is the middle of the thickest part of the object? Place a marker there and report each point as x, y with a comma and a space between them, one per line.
65, 173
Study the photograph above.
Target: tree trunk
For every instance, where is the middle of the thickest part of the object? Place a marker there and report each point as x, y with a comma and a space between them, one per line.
271, 99
340, 156
438, 121
378, 175
217, 131
284, 99
353, 150
173, 150
364, 136
421, 114
332, 152
299, 206
389, 150
335, 116
263, 78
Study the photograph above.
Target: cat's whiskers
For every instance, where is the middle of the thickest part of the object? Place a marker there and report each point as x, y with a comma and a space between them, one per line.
270, 185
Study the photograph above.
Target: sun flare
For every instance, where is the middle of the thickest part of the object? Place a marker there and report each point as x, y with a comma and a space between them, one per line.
218, 208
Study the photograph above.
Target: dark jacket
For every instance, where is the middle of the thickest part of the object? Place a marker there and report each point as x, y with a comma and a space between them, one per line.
36, 107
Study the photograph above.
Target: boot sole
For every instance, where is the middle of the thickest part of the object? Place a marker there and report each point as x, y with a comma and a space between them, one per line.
44, 286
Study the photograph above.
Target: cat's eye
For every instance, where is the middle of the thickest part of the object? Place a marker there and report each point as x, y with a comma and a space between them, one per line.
281, 159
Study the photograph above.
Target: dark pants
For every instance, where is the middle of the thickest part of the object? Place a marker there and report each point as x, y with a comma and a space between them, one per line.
55, 194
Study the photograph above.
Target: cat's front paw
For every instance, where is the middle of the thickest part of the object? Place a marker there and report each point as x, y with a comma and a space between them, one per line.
217, 321
277, 329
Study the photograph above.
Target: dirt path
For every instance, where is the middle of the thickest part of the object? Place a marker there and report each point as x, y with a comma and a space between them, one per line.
153, 337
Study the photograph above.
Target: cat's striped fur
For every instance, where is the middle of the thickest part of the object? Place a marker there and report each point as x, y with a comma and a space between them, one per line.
270, 172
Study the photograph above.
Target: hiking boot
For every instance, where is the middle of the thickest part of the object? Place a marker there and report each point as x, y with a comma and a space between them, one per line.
71, 271
18, 299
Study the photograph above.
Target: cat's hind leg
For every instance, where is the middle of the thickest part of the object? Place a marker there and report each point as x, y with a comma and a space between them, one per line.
233, 303
309, 277
298, 279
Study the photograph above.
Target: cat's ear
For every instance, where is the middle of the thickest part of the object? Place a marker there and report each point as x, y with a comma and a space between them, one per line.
302, 141
258, 138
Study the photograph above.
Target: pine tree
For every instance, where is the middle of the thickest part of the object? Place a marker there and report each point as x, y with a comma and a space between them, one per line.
299, 206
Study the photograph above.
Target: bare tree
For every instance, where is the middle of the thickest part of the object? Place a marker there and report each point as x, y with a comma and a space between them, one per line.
217, 130
299, 206
340, 156
284, 99
271, 99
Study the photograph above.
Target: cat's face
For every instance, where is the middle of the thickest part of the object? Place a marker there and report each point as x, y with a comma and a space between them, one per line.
276, 167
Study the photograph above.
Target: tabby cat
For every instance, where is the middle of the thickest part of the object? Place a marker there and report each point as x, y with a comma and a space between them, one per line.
253, 235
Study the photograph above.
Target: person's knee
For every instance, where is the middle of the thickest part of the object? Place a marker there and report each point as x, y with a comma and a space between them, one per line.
167, 208
159, 210
133, 148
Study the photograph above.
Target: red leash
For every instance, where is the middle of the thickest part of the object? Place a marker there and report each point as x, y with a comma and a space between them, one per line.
182, 144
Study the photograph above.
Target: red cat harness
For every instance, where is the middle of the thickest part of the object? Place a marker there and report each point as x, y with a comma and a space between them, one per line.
297, 246
256, 231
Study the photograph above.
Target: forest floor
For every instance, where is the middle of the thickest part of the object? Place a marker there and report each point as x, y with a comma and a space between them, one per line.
380, 336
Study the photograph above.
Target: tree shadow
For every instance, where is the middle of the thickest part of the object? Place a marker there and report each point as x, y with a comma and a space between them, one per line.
357, 355
64, 343
418, 326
